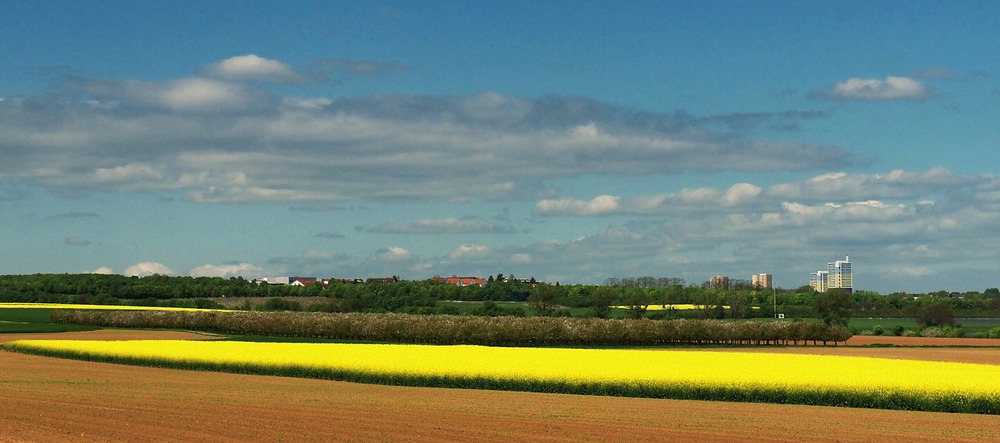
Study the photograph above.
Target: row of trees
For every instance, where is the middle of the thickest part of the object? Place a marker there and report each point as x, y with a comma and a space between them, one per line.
542, 299
450, 330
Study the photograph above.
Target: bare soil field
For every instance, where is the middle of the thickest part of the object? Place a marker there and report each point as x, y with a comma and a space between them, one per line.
965, 350
109, 334
868, 340
53, 400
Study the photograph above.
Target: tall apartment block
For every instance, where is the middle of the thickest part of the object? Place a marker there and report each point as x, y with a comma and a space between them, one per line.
719, 282
836, 275
762, 281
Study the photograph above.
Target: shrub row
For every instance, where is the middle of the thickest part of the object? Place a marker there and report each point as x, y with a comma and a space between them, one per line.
450, 329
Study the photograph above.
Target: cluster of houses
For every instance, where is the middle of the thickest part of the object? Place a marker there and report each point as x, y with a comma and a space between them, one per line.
306, 281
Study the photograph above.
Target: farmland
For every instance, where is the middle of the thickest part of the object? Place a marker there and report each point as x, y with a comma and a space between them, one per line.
275, 408
774, 378
47, 399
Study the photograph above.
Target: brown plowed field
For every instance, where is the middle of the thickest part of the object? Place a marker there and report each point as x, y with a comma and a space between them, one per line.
50, 400
868, 340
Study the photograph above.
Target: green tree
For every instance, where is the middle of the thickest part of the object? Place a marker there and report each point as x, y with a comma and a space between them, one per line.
637, 303
937, 314
833, 306
600, 302
543, 299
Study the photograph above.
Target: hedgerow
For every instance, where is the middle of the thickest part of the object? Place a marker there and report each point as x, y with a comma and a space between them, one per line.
450, 329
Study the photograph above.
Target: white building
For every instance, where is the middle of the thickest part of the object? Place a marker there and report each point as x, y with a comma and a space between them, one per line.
836, 276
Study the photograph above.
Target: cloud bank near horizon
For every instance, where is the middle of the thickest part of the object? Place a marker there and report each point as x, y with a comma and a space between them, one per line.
222, 137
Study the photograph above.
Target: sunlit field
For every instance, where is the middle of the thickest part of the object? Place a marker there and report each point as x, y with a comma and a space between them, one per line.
685, 374
677, 307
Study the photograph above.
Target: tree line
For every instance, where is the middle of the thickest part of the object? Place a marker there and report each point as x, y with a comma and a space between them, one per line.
540, 299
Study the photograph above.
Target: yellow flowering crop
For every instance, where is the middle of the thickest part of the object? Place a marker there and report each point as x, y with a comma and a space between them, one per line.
781, 378
678, 307
98, 307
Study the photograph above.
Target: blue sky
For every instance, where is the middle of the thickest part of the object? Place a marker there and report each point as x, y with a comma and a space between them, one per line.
566, 141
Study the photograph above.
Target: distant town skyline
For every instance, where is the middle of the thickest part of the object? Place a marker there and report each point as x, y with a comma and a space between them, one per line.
568, 141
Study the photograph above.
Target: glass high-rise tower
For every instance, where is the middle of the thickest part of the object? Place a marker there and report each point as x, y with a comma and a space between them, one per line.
836, 276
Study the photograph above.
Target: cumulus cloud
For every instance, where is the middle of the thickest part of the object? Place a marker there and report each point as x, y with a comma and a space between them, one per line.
470, 252
699, 199
896, 184
252, 67
889, 221
128, 173
215, 139
393, 254
145, 269
892, 88
600, 205
227, 270
186, 95
104, 270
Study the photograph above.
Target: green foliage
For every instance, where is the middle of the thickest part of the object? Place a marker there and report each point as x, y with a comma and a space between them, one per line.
33, 320
424, 296
446, 329
279, 304
994, 333
833, 307
943, 331
491, 308
937, 314
637, 302
600, 302
543, 299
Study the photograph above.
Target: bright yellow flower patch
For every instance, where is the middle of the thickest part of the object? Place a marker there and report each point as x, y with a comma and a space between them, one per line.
626, 371
678, 307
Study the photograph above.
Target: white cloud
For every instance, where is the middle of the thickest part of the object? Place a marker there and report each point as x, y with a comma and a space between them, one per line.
147, 268
600, 205
197, 94
252, 67
700, 199
896, 184
185, 95
194, 136
740, 193
520, 259
104, 270
128, 173
394, 254
470, 252
892, 88
227, 270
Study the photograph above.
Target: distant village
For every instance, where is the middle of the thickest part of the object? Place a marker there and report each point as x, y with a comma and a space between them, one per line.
837, 275
325, 282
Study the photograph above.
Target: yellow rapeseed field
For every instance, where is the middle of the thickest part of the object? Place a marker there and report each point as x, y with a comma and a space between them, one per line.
98, 307
786, 378
677, 307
